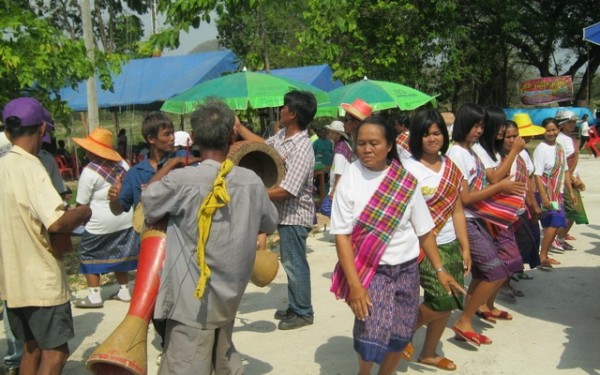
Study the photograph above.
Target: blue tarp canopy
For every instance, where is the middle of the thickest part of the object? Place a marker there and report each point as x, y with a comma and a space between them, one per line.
592, 33
539, 114
145, 81
320, 76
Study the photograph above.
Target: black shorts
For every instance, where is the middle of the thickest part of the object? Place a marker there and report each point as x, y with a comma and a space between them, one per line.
50, 326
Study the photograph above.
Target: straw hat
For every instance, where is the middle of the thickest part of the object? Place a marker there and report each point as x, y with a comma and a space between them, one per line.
265, 268
358, 108
338, 127
526, 128
99, 142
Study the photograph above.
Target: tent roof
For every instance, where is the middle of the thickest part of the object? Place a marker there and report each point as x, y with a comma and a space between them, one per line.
592, 33
144, 81
320, 76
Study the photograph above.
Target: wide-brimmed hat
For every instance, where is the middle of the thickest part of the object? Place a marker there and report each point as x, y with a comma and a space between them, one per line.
526, 127
182, 138
338, 127
564, 115
99, 142
28, 110
358, 108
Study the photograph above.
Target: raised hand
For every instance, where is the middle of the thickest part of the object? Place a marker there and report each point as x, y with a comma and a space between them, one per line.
115, 190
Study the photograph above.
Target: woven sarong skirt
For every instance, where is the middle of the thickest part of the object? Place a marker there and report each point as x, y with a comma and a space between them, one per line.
435, 296
487, 264
113, 252
394, 292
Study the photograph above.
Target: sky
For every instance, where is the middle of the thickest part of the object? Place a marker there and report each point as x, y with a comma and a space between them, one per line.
187, 41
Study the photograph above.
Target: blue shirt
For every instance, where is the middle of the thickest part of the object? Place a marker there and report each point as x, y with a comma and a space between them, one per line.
131, 190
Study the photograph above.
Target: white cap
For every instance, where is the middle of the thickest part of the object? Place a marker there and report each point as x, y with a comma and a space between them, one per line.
183, 139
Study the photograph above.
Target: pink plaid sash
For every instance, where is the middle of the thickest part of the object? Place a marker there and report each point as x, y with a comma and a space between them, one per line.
375, 227
499, 209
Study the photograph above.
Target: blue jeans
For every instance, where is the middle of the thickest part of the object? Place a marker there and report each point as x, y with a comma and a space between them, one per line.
292, 247
12, 359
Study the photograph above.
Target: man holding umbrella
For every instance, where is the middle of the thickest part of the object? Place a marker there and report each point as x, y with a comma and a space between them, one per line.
294, 201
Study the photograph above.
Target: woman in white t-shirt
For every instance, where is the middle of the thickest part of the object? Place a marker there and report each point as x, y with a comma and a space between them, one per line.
497, 168
379, 219
488, 269
527, 232
439, 181
342, 153
109, 243
551, 177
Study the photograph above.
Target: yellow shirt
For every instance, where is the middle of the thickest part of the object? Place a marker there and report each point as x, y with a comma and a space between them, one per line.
29, 274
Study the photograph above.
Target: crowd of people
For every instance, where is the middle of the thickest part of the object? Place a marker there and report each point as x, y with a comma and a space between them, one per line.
414, 202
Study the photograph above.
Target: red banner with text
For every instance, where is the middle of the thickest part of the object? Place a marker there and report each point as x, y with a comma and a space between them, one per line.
546, 90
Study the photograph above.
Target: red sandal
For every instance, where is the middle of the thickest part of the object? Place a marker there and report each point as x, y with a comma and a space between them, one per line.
470, 336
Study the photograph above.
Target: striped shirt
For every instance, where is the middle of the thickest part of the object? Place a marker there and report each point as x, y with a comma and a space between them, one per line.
299, 160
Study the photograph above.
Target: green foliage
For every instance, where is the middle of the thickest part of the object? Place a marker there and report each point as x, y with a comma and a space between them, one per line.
257, 33
38, 59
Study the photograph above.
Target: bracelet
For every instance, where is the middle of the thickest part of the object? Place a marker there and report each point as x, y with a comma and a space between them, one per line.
441, 269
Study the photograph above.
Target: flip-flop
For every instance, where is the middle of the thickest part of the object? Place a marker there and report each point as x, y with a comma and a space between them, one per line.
470, 336
85, 303
486, 315
484, 340
502, 315
443, 364
545, 265
408, 351
115, 297
524, 276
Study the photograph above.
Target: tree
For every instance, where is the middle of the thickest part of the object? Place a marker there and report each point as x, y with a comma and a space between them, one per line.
38, 59
116, 29
258, 34
544, 34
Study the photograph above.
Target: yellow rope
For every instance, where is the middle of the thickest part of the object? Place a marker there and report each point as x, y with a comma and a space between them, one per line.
217, 198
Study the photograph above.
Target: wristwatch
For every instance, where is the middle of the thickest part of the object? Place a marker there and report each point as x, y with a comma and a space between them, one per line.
441, 269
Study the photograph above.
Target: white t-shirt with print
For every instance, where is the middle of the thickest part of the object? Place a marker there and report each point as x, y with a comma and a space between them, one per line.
429, 181
354, 190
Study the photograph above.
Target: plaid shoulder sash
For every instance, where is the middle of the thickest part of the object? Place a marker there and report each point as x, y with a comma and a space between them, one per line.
402, 140
375, 227
553, 180
441, 204
499, 209
343, 148
108, 170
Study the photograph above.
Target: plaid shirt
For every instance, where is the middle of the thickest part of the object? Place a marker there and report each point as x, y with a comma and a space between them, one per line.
299, 161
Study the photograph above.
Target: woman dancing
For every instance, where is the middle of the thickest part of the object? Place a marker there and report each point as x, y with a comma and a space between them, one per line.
378, 244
